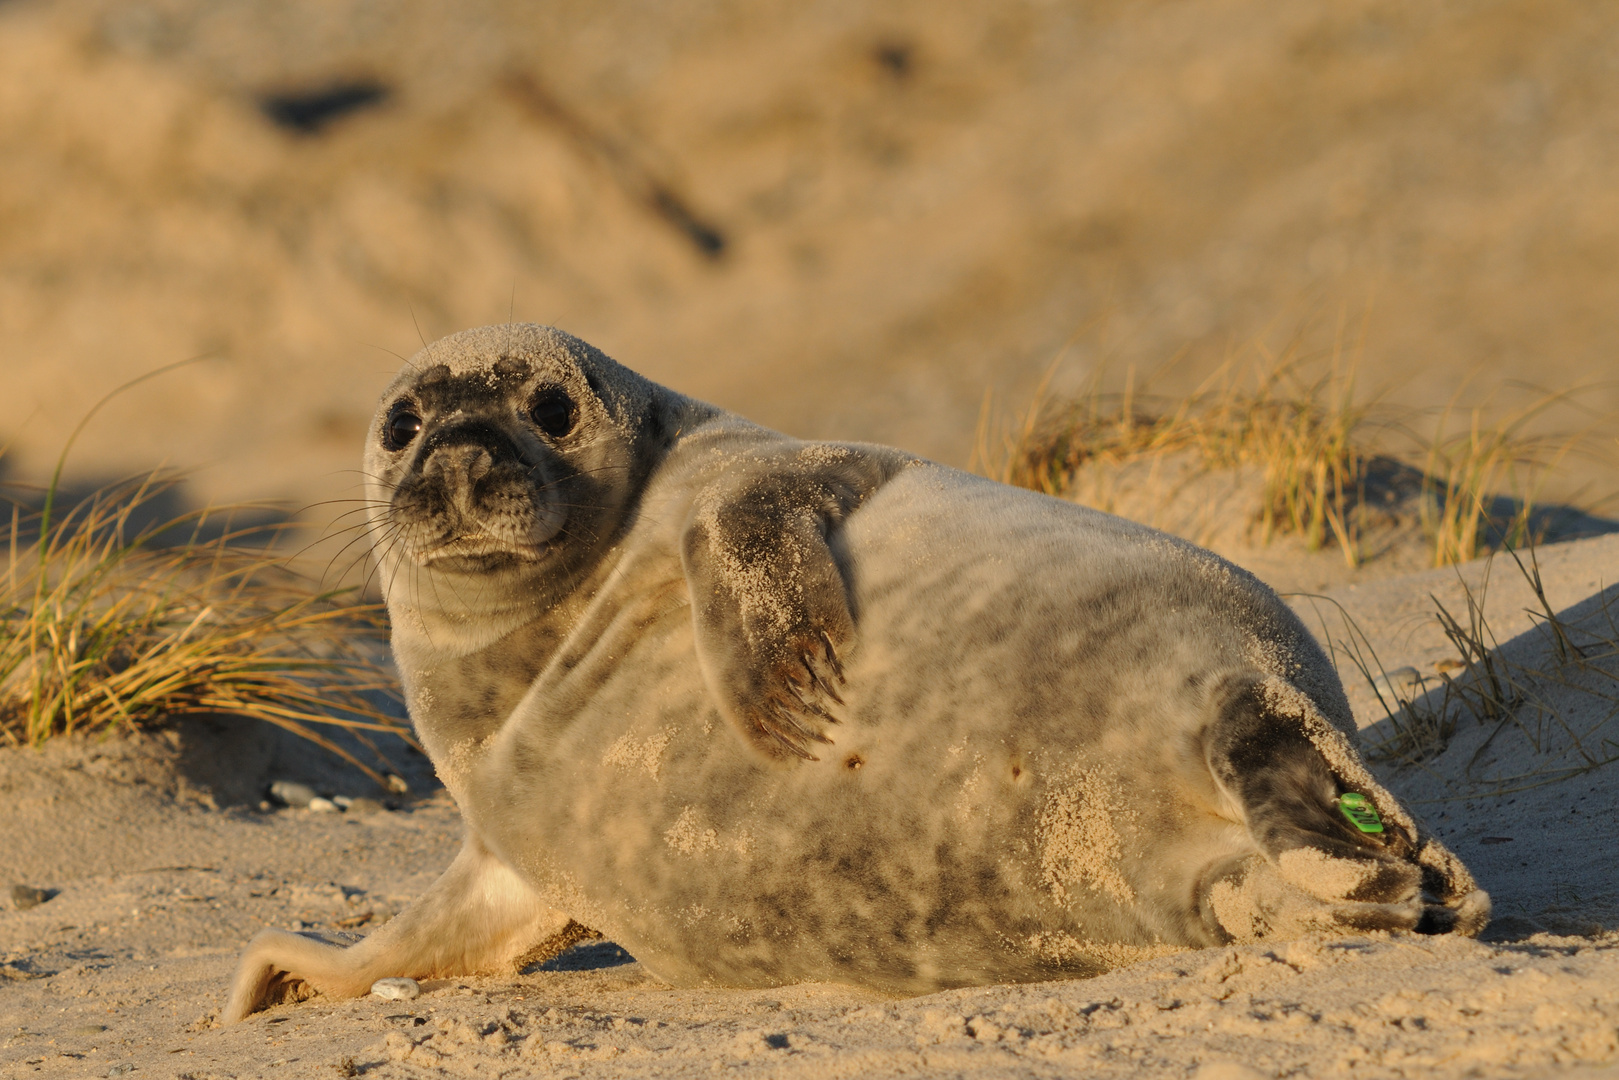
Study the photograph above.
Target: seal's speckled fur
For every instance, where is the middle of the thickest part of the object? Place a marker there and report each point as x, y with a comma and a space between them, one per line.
766, 711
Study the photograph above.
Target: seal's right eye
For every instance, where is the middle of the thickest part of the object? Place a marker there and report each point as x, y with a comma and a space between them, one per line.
402, 426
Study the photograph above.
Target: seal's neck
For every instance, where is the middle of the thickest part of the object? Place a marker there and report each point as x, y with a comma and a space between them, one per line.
460, 618
467, 652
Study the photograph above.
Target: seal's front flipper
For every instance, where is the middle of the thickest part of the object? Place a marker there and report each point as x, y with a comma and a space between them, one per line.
768, 597
477, 918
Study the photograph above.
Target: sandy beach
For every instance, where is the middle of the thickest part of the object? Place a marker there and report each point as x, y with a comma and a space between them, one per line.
842, 221
159, 878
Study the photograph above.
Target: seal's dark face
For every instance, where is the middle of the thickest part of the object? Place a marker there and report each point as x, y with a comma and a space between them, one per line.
490, 468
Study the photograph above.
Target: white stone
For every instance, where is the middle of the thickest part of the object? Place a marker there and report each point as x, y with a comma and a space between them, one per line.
291, 793
396, 989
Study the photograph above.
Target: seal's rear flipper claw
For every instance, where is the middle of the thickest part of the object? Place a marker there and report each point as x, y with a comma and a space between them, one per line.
1468, 917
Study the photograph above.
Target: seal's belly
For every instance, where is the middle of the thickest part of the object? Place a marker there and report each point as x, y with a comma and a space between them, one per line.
1016, 791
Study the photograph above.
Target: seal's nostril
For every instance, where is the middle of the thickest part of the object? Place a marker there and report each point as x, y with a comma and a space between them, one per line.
461, 465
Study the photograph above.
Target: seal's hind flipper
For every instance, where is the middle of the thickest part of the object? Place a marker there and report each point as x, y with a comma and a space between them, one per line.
769, 599
1335, 849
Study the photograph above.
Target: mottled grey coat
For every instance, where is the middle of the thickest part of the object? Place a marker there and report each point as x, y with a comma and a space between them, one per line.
766, 711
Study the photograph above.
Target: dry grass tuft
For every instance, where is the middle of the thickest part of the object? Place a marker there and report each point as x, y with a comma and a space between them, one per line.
1302, 434
106, 623
1323, 454
1464, 470
101, 627
1556, 696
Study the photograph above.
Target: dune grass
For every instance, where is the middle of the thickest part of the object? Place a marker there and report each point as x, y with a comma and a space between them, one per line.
106, 624
103, 626
1316, 443
1463, 469
1559, 694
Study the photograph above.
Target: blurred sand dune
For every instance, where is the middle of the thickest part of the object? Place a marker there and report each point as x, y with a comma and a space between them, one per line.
845, 220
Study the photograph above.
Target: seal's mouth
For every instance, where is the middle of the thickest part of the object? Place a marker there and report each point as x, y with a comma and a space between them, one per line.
481, 549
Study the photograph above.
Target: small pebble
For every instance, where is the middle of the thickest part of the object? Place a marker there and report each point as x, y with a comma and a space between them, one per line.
366, 806
324, 806
24, 897
120, 1070
292, 793
396, 989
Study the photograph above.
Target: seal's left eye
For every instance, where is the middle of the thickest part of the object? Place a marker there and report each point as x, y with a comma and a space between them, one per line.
554, 412
402, 427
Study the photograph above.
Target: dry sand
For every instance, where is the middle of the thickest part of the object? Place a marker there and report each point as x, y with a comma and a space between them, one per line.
128, 964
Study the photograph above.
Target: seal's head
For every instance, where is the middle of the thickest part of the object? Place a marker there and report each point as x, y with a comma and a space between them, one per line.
509, 455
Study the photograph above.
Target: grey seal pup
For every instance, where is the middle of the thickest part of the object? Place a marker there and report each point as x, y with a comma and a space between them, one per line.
766, 711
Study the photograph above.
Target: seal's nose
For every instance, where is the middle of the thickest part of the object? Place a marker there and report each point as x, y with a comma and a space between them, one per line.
469, 445
462, 464
456, 470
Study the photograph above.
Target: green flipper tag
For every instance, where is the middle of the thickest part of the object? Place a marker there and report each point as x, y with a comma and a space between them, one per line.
1360, 812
